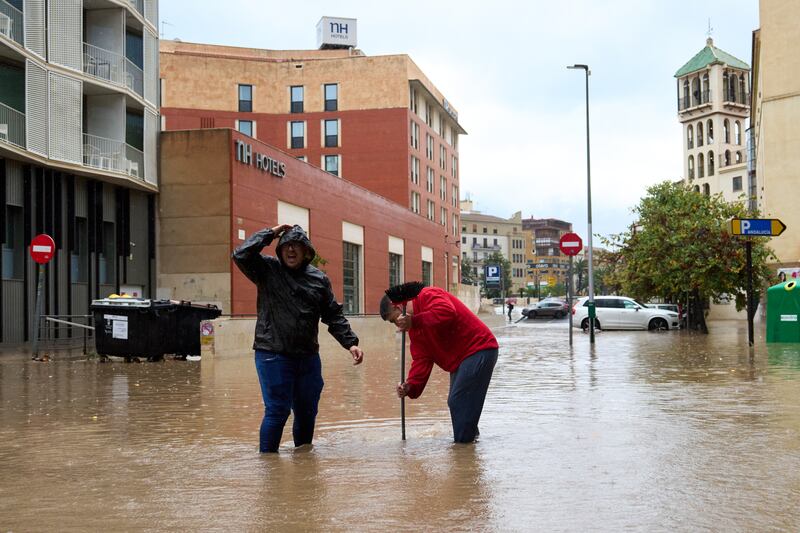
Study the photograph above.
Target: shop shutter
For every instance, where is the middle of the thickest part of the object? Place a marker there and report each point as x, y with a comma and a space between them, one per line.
150, 68
34, 26
151, 11
150, 147
36, 124
66, 110
65, 33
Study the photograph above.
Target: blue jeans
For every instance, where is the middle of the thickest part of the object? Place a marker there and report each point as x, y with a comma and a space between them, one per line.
468, 385
288, 384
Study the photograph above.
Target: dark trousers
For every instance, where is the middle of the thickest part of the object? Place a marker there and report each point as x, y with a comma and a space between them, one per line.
468, 386
288, 384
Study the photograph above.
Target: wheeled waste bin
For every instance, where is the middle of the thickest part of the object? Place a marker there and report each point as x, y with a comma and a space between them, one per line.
136, 327
783, 312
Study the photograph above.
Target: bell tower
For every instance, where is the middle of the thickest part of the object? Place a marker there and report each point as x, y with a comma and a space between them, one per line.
713, 90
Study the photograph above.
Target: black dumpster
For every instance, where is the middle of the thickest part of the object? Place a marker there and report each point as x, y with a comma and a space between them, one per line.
136, 327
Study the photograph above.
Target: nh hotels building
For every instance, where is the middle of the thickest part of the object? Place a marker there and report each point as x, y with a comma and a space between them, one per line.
79, 125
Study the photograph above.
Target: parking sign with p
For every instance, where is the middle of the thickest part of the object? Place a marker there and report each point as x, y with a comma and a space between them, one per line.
492, 275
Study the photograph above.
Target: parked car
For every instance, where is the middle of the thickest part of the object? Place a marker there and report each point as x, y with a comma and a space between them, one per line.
548, 308
621, 312
675, 308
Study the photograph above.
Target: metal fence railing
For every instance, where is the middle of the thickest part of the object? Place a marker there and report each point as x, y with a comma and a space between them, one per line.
11, 24
134, 77
12, 125
112, 67
110, 154
66, 332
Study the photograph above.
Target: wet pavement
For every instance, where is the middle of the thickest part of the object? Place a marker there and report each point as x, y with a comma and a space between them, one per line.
645, 431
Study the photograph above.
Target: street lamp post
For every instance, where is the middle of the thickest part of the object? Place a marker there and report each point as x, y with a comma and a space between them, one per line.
592, 315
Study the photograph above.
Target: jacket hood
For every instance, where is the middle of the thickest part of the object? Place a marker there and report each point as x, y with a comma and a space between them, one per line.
297, 234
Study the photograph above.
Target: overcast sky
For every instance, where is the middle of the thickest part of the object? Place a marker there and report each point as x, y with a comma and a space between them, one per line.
502, 65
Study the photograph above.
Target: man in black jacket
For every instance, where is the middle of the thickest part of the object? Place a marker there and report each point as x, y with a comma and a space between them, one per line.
292, 298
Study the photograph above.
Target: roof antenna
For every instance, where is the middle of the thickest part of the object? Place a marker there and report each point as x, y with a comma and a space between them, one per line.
709, 40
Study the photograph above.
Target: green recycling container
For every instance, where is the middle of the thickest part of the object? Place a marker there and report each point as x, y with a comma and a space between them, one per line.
783, 312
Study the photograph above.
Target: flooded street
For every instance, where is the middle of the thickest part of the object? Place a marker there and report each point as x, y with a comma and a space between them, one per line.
647, 431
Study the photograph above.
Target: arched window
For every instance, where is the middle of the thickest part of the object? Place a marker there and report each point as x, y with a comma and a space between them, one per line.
726, 131
742, 92
696, 91
690, 136
710, 131
699, 134
738, 156
696, 188
728, 157
734, 82
701, 166
738, 132
686, 102
710, 163
725, 86
706, 189
705, 88
691, 167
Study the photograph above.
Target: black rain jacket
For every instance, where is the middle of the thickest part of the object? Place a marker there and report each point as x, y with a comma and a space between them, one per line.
291, 302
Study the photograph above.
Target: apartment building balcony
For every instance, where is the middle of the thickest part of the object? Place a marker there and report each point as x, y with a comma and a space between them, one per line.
737, 98
11, 22
109, 154
730, 158
112, 67
12, 126
698, 99
542, 242
138, 5
478, 247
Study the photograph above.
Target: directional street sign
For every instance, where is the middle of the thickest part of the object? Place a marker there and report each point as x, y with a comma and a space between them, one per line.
570, 244
764, 227
42, 248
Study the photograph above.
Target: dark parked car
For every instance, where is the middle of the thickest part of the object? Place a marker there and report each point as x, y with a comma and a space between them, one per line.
550, 308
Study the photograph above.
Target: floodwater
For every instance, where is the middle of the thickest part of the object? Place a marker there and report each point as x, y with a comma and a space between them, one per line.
647, 431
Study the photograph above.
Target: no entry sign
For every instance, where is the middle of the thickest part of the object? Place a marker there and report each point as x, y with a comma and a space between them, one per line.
42, 248
570, 244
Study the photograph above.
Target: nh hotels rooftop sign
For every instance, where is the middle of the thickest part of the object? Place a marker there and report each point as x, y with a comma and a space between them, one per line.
335, 32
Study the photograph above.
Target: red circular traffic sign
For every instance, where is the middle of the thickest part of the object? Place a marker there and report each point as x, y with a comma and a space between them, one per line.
43, 248
570, 244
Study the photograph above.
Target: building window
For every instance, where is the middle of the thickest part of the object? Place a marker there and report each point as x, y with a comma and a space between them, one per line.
297, 99
395, 269
727, 160
414, 170
298, 135
699, 134
691, 167
428, 115
332, 164
351, 274
453, 167
246, 127
454, 198
690, 137
429, 147
442, 157
701, 166
738, 132
710, 163
429, 184
427, 273
302, 158
463, 240
494, 230
79, 257
331, 133
107, 259
443, 188
414, 135
245, 98
726, 131
412, 100
737, 183
13, 254
415, 202
710, 131
331, 97
455, 225
706, 189
431, 210
443, 216
738, 156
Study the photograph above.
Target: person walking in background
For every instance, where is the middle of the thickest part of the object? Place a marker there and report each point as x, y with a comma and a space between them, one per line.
292, 298
443, 331
510, 305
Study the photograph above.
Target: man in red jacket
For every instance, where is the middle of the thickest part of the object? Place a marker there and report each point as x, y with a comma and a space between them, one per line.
442, 330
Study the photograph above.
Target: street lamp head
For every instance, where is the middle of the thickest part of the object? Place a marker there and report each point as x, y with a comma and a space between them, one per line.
584, 67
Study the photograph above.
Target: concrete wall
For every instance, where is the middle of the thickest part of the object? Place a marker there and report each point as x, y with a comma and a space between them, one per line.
471, 296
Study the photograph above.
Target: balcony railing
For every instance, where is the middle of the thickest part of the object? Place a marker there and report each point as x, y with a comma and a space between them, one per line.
112, 67
11, 22
730, 159
742, 98
490, 247
138, 5
109, 154
687, 102
12, 126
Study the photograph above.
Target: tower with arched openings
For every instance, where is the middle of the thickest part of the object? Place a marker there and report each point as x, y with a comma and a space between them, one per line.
713, 107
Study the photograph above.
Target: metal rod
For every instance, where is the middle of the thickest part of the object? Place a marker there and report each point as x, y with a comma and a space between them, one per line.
402, 380
38, 312
50, 319
750, 311
569, 299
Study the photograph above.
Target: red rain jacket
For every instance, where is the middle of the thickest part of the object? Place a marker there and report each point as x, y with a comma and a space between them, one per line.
444, 331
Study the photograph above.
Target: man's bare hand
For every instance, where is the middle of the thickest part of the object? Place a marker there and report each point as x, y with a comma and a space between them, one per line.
402, 390
404, 322
358, 355
277, 230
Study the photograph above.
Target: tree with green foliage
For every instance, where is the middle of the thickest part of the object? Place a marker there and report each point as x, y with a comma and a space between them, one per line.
681, 245
496, 258
580, 273
468, 276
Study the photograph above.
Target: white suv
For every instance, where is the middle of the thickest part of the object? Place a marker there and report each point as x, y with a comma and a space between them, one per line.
621, 312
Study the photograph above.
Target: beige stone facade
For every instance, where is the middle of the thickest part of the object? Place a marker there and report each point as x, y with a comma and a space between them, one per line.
776, 123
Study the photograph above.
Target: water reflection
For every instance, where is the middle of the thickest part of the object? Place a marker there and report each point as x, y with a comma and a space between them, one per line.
646, 431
